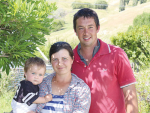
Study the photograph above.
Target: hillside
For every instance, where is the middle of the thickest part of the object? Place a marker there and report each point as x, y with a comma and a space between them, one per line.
120, 21
111, 20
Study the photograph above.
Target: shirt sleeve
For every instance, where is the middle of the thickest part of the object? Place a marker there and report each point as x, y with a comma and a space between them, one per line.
83, 99
31, 93
26, 93
42, 92
124, 71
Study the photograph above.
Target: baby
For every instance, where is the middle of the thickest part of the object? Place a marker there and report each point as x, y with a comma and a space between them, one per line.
27, 94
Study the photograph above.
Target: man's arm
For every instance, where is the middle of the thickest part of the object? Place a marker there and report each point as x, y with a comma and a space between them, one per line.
130, 97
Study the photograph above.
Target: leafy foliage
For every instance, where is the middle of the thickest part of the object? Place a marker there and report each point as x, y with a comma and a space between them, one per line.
57, 25
23, 24
6, 94
79, 5
101, 4
126, 2
135, 2
143, 19
135, 43
5, 82
143, 1
5, 100
122, 5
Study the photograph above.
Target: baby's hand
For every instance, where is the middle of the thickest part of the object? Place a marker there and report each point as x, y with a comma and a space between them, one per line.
48, 97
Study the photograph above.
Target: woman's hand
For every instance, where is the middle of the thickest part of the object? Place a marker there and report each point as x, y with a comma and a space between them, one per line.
31, 112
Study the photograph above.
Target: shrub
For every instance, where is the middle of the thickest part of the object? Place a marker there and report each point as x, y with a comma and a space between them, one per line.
57, 25
143, 19
5, 100
59, 13
143, 1
79, 5
5, 82
135, 2
101, 4
126, 2
135, 43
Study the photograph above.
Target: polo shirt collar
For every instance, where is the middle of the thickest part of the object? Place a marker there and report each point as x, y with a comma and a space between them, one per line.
96, 48
103, 49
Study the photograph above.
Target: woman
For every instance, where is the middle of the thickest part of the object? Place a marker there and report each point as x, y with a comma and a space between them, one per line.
70, 93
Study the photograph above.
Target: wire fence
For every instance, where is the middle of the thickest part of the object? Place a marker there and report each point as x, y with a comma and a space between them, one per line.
18, 75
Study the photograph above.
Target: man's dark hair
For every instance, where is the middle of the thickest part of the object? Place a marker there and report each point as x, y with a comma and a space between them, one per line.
58, 46
86, 13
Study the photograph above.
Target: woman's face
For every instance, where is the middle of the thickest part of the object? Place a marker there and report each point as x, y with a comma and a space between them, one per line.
61, 62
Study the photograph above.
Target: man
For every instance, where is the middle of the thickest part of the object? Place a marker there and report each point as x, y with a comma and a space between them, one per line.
104, 67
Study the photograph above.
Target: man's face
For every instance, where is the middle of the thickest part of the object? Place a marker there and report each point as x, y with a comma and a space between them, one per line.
86, 31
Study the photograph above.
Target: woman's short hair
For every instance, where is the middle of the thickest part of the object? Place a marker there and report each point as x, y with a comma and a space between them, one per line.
58, 46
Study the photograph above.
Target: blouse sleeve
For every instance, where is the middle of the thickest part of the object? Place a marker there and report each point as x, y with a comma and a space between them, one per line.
42, 92
83, 99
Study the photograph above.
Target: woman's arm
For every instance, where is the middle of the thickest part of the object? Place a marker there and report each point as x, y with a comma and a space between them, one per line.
83, 99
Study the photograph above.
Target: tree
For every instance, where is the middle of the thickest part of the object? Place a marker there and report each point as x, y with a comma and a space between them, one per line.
122, 5
126, 2
101, 4
23, 24
135, 2
136, 43
143, 1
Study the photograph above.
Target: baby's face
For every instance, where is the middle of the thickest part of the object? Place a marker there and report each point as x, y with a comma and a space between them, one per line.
35, 74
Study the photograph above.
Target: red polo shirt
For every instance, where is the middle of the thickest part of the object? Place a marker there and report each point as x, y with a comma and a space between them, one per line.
107, 72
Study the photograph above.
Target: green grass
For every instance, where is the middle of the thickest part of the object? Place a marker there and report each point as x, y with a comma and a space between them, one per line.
142, 86
143, 90
5, 101
6, 95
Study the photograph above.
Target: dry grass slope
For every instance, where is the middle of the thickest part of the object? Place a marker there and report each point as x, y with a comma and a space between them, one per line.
111, 20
